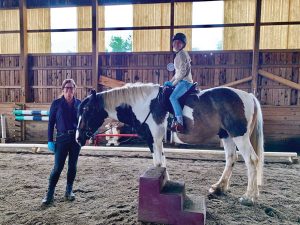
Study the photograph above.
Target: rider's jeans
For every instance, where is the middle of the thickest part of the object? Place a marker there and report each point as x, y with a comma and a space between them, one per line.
181, 88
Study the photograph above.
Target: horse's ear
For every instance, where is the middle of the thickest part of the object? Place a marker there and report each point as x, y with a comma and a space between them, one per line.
93, 93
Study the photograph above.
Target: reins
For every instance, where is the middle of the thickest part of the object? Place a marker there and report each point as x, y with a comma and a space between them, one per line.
159, 91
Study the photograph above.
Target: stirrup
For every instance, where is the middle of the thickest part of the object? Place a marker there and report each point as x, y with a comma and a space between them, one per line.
177, 127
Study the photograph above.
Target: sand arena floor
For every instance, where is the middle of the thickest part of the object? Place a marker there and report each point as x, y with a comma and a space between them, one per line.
106, 189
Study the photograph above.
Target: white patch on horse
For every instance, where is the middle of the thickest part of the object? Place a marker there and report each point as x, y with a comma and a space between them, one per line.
248, 104
202, 92
77, 132
176, 139
188, 112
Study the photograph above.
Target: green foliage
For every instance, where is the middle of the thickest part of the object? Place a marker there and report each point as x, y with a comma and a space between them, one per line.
219, 45
118, 44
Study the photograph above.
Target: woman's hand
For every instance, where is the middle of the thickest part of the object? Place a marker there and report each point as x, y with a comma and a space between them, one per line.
51, 146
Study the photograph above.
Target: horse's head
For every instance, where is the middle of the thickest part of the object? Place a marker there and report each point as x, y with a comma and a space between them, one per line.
91, 117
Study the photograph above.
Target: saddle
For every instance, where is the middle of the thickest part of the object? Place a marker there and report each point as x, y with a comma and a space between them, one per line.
164, 97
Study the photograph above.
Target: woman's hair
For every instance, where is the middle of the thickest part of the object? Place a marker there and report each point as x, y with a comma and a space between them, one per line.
66, 81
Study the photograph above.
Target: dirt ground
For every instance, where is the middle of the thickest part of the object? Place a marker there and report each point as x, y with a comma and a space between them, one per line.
106, 190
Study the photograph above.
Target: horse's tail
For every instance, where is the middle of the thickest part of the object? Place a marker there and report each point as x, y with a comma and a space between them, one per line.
257, 140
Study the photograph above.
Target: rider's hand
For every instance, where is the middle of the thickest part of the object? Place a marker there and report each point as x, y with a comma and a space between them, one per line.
168, 84
51, 146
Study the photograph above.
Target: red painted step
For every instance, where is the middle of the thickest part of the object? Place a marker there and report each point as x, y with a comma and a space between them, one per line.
164, 201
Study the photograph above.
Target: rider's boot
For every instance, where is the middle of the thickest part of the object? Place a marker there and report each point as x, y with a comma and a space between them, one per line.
177, 126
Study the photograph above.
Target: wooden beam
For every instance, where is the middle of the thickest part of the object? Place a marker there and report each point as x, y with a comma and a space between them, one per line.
172, 16
95, 44
23, 52
255, 57
56, 87
191, 153
279, 79
237, 82
109, 82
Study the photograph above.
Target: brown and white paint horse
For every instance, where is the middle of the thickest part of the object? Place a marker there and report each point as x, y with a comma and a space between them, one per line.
234, 115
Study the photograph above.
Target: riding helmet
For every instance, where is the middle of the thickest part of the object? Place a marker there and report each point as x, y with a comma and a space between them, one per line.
180, 37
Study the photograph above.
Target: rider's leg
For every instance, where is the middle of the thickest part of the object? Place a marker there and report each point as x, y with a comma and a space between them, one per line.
181, 88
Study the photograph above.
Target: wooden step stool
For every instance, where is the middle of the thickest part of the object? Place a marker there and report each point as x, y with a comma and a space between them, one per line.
164, 201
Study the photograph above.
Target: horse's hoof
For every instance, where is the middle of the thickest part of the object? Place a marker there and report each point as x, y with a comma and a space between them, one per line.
215, 191
246, 201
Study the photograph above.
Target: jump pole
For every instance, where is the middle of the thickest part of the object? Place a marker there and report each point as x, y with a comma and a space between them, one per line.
290, 156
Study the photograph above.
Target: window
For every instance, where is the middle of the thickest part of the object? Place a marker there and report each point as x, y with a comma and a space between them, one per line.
118, 16
208, 13
63, 18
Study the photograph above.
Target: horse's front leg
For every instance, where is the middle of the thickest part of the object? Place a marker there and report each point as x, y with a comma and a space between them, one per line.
159, 158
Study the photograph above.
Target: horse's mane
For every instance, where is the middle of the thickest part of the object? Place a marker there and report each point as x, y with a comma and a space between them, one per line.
130, 93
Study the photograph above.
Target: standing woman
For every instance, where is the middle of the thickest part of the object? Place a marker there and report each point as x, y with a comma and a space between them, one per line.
182, 80
63, 114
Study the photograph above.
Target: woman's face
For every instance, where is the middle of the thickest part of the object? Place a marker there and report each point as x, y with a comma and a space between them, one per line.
177, 45
69, 91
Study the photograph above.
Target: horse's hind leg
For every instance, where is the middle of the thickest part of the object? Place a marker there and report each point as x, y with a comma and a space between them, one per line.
231, 156
251, 159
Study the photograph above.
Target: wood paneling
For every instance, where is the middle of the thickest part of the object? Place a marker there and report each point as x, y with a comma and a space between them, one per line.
183, 16
84, 20
151, 15
9, 43
39, 19
272, 37
10, 89
47, 72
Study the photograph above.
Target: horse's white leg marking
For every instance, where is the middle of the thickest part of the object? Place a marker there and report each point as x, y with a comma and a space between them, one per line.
158, 154
159, 158
251, 159
231, 157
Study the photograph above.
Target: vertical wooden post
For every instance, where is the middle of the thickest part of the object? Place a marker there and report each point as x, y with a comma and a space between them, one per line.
172, 24
23, 52
95, 44
255, 57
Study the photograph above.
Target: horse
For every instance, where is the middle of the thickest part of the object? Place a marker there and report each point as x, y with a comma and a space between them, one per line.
234, 115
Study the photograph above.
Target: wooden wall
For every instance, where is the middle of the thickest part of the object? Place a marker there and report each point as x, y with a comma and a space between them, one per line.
36, 131
47, 72
10, 89
281, 104
285, 65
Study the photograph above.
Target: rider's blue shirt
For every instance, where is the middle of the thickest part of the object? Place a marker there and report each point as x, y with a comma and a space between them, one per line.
63, 116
